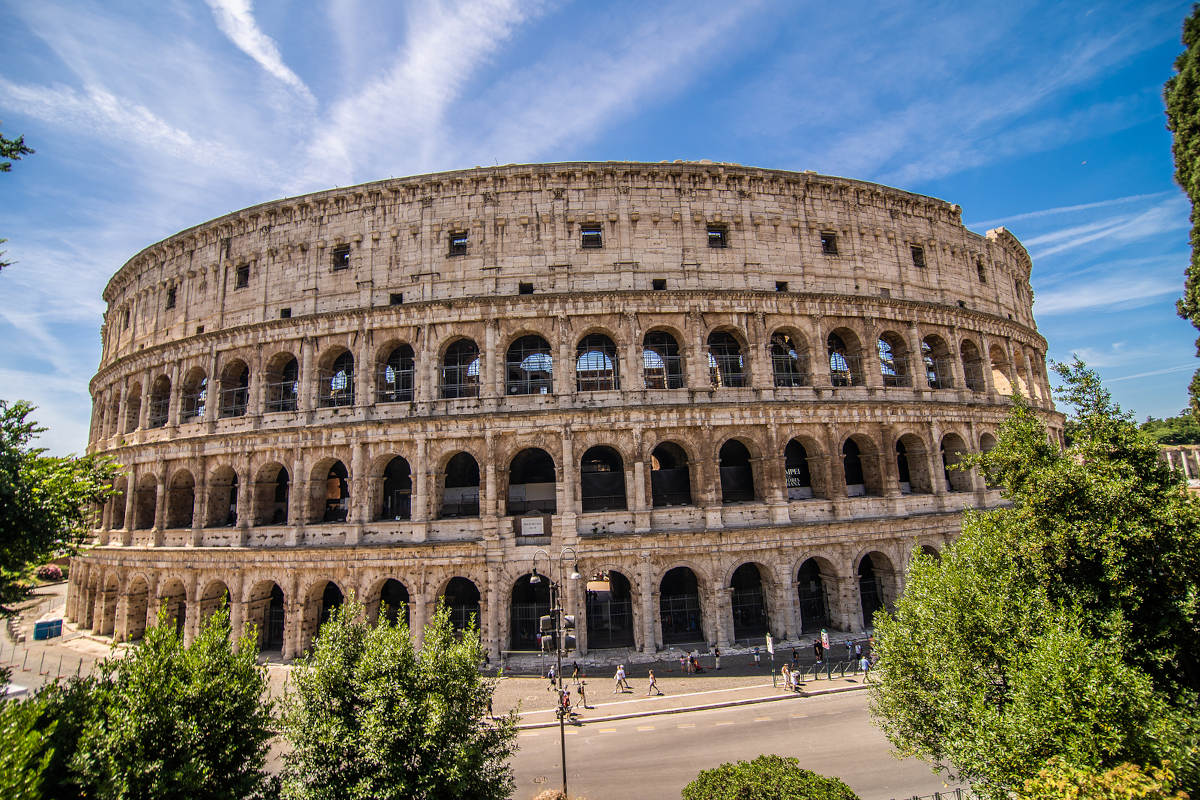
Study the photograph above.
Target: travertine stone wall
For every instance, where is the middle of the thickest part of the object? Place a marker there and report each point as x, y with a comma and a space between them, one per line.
836, 324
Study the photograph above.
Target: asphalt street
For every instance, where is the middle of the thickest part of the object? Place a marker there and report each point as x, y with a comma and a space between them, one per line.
654, 757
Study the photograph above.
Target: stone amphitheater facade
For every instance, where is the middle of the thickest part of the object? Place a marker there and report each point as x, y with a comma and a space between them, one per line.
727, 397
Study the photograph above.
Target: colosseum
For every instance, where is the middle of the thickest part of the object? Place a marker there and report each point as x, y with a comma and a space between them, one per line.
712, 400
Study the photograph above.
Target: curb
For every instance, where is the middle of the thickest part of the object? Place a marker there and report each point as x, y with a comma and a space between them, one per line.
529, 726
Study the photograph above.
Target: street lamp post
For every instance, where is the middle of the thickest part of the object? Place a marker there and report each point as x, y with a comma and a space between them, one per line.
557, 620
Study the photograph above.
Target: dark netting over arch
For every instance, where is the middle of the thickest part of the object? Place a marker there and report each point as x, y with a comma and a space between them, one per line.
528, 367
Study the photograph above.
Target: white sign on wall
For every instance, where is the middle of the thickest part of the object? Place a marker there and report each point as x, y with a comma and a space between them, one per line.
532, 526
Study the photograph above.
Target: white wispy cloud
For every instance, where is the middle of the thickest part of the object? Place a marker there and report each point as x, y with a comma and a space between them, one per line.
1164, 371
1064, 210
236, 20
1167, 215
1116, 291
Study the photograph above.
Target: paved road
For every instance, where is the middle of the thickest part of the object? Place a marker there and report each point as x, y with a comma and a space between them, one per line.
654, 757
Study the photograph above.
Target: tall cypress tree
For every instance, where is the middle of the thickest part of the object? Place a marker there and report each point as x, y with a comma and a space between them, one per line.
1182, 93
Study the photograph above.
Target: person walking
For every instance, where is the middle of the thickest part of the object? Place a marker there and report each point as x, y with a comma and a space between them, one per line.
795, 659
757, 657
786, 674
864, 664
683, 662
716, 658
618, 679
552, 687
818, 650
575, 672
857, 651
583, 695
653, 688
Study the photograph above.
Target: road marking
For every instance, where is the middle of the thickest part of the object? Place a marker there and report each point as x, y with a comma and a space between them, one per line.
762, 719
608, 730
571, 733
719, 724
799, 716
686, 725
645, 727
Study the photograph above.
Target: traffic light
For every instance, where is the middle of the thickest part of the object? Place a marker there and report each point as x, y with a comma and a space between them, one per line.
568, 621
546, 623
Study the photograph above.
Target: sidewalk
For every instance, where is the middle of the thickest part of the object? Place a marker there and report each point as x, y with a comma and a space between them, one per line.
537, 705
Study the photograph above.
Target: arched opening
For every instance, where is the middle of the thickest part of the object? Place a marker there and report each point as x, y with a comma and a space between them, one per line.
602, 480
160, 402
392, 603
137, 602
845, 358
335, 386
193, 400
112, 420
397, 490
532, 483
145, 503
987, 442
397, 376
1000, 370
265, 609
737, 476
662, 366
670, 478
870, 586
133, 407
272, 489
789, 360
596, 364
796, 471
749, 603
335, 506
282, 384
726, 367
972, 367
109, 593
117, 516
222, 498
852, 468
235, 389
812, 599
953, 451
609, 611
530, 601
460, 495
173, 598
912, 465
529, 367
215, 595
936, 356
893, 360
331, 598
460, 370
462, 600
931, 551
679, 607
181, 500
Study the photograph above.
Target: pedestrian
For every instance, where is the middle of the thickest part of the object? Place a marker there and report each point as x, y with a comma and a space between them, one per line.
864, 664
757, 657
818, 650
795, 659
618, 679
653, 688
575, 672
695, 660
857, 651
564, 700
716, 658
551, 676
583, 695
850, 650
683, 662
786, 674
795, 680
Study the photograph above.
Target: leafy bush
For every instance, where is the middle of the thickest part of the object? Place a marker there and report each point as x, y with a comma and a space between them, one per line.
49, 572
768, 777
1061, 781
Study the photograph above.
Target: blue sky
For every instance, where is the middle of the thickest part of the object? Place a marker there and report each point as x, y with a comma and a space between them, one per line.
149, 117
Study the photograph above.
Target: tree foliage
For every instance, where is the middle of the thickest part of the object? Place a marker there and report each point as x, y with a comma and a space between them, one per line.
23, 752
368, 716
1066, 625
1182, 95
1183, 429
1061, 781
10, 149
768, 777
46, 502
164, 721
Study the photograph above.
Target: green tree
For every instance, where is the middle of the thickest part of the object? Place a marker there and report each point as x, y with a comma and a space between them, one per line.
1183, 429
1066, 625
368, 716
14, 149
23, 754
46, 502
768, 777
1060, 781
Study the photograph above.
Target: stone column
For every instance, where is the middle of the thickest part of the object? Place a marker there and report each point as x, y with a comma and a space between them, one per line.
650, 606
308, 377
564, 367
160, 508
757, 352
297, 503
722, 610
173, 400
697, 359
494, 379
212, 397
364, 371
419, 601
144, 410
257, 382
632, 377
791, 604
121, 621
494, 600
131, 480
916, 364
570, 474
422, 477
199, 504
360, 494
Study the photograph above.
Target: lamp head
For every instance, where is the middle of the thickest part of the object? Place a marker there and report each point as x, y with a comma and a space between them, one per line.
534, 578
575, 573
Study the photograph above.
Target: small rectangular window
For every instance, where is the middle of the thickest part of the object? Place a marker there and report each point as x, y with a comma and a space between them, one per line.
199, 329
591, 237
341, 257
524, 288
395, 298
285, 313
125, 319
458, 243
243, 277
718, 236
979, 271
658, 284
829, 243
171, 297
918, 256
781, 286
